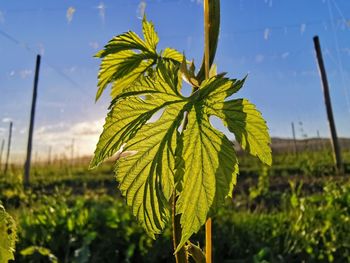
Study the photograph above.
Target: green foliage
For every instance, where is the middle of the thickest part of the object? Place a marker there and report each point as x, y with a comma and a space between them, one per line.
7, 236
262, 188
81, 229
94, 227
154, 159
45, 252
319, 225
127, 57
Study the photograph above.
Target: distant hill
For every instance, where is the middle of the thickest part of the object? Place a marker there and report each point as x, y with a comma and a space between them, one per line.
316, 144
281, 145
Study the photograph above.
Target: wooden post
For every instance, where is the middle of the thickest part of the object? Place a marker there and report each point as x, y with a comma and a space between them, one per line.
31, 124
8, 148
295, 140
335, 143
1, 151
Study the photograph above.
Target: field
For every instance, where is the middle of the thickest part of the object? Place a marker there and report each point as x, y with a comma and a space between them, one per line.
296, 211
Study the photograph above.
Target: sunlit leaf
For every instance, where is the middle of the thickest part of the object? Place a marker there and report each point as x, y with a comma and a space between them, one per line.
173, 54
158, 151
127, 57
146, 178
150, 34
246, 123
209, 172
7, 236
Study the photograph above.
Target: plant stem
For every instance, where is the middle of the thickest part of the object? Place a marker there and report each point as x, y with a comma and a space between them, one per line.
206, 37
181, 256
208, 242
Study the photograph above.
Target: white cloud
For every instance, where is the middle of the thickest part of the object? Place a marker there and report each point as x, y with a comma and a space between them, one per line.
24, 73
302, 28
60, 136
268, 2
140, 12
87, 128
70, 14
198, 2
41, 49
102, 11
267, 33
6, 119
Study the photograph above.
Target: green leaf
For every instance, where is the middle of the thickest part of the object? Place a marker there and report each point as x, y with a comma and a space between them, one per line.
210, 170
250, 129
121, 69
150, 34
121, 124
153, 159
28, 251
123, 42
7, 236
219, 88
129, 112
147, 177
127, 57
172, 54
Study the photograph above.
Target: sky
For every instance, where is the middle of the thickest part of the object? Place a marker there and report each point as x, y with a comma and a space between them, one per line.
270, 40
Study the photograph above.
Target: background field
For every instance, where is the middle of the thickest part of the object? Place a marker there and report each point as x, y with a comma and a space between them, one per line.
297, 210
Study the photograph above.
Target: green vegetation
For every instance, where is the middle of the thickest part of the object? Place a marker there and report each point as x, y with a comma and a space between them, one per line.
7, 236
87, 221
75, 215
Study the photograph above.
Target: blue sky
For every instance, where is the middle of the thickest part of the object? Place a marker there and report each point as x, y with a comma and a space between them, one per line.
271, 40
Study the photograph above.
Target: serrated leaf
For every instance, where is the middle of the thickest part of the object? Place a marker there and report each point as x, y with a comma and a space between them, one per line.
122, 68
164, 86
246, 123
150, 34
126, 80
122, 122
173, 54
188, 73
123, 42
7, 236
147, 178
219, 88
155, 160
127, 57
209, 174
213, 71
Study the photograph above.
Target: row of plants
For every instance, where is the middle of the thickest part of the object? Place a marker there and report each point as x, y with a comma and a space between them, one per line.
94, 228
